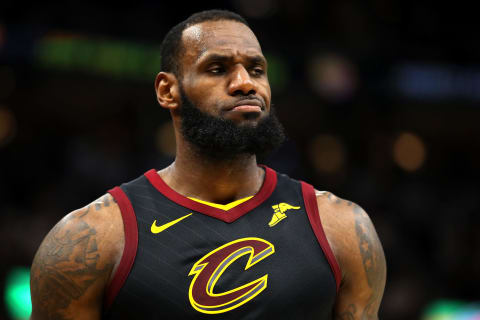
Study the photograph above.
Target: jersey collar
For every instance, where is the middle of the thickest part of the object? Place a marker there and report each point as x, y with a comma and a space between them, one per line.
269, 184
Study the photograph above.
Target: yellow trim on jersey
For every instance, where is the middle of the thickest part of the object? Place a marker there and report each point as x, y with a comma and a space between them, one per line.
224, 207
260, 284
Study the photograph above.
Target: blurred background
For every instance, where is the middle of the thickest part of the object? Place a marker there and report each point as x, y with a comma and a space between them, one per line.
380, 101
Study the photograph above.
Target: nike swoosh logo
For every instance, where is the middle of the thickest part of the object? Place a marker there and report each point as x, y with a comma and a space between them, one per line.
158, 229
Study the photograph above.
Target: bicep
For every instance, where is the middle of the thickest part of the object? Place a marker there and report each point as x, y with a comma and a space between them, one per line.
68, 273
364, 279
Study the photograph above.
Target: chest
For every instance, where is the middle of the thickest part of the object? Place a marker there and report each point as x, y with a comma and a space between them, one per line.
265, 264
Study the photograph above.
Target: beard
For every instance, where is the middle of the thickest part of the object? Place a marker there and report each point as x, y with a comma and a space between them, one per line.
221, 139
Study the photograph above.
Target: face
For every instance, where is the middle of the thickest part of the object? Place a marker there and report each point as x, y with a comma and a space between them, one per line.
224, 73
220, 139
224, 96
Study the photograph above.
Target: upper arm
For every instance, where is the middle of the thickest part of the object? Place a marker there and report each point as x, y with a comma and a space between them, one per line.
359, 253
73, 264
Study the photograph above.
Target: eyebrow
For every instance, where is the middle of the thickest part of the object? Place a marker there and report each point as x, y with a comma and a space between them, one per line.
216, 57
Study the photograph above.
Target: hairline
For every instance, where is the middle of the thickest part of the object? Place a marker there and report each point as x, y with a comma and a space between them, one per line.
181, 42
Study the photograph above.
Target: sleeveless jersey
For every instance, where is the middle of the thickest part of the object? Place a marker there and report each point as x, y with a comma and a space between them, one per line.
266, 258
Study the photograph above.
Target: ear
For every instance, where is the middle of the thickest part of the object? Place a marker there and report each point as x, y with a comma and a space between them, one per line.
166, 88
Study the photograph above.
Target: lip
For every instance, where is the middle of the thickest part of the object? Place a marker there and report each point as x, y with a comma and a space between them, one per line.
247, 108
249, 105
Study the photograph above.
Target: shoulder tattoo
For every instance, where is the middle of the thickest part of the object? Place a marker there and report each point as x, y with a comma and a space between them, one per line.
373, 261
65, 266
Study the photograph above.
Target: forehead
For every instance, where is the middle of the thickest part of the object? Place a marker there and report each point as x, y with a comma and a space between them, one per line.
224, 36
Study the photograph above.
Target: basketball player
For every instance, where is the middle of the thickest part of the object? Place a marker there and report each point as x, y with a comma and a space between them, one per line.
213, 235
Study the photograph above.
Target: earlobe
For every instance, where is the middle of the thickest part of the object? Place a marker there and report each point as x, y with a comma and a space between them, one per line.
166, 88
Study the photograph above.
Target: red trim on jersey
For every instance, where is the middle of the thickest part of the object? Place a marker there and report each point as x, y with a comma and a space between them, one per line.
228, 216
131, 243
311, 206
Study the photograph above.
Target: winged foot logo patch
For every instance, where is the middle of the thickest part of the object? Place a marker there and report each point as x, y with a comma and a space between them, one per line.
279, 212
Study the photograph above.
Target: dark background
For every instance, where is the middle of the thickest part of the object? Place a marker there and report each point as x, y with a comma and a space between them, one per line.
380, 100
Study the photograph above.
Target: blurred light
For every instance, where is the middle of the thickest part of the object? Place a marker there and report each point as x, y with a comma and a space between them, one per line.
452, 310
437, 81
17, 293
166, 139
98, 56
327, 154
8, 126
7, 80
332, 77
255, 8
409, 151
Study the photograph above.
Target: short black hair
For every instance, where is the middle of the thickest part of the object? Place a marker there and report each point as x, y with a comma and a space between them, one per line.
172, 47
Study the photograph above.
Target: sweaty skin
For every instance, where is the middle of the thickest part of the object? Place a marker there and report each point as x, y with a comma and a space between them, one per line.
75, 262
222, 64
359, 253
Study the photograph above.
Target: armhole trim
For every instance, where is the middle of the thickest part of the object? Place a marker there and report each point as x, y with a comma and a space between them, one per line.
311, 207
130, 249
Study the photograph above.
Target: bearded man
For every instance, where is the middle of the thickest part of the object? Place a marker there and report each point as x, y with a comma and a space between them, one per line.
213, 235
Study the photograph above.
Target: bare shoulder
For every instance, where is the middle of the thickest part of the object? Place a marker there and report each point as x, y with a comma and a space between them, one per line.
345, 224
75, 261
338, 219
355, 243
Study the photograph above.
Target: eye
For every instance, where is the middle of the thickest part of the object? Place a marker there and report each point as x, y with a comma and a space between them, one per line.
216, 69
258, 71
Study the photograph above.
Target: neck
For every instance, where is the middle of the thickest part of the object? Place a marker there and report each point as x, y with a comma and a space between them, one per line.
217, 181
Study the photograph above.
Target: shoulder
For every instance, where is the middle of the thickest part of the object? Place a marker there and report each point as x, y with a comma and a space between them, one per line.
349, 230
359, 253
76, 259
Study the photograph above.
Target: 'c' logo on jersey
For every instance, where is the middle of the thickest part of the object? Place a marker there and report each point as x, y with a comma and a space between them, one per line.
210, 268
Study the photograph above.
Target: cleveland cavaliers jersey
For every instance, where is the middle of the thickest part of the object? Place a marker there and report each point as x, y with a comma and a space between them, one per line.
265, 258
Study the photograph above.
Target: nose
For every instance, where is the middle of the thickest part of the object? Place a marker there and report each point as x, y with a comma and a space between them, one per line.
241, 82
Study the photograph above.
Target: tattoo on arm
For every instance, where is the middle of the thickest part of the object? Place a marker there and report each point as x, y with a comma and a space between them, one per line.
348, 314
373, 260
370, 260
65, 265
105, 202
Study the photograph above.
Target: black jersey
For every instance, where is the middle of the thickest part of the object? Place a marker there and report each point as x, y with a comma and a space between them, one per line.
266, 258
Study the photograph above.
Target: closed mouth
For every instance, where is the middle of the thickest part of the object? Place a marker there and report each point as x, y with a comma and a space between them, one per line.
247, 105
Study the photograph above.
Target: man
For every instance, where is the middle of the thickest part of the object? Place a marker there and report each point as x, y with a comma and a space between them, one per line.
214, 235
